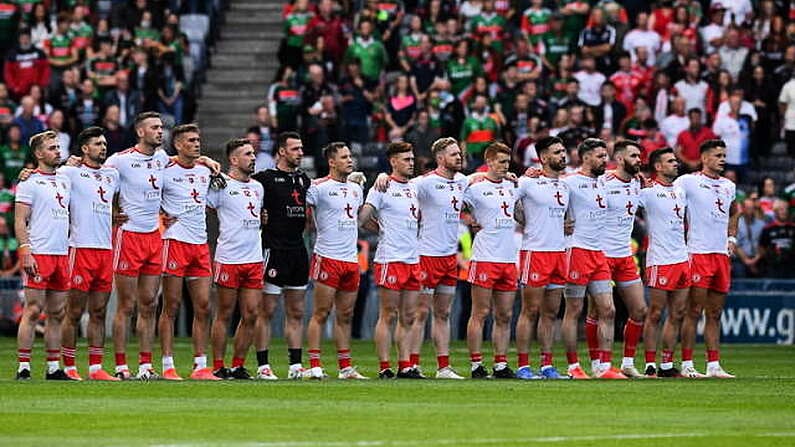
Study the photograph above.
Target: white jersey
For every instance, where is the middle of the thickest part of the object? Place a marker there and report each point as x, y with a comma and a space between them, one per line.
336, 206
185, 198
622, 203
398, 221
141, 178
665, 216
545, 201
441, 200
48, 198
90, 205
588, 208
238, 208
492, 205
708, 203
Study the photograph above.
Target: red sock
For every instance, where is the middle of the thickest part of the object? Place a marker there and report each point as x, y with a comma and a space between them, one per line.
605, 356
144, 357
314, 358
68, 354
121, 358
218, 364
500, 358
713, 355
524, 359
414, 359
403, 364
667, 356
23, 355
632, 332
443, 361
592, 337
382, 365
95, 354
572, 358
53, 355
238, 362
476, 357
687, 354
546, 359
344, 358
651, 356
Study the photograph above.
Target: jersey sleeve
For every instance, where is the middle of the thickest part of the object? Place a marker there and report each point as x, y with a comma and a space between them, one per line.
374, 198
67, 171
111, 162
162, 156
312, 195
468, 197
213, 197
24, 193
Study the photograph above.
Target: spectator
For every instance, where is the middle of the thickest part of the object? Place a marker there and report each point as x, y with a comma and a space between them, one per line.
462, 68
734, 129
25, 66
15, 153
40, 25
410, 44
146, 34
10, 264
60, 50
528, 64
786, 101
642, 36
732, 54
590, 81
652, 139
10, 19
285, 100
6, 199
763, 98
87, 109
41, 108
119, 138
738, 12
264, 125
749, 230
676, 122
57, 122
574, 13
81, 31
312, 95
554, 43
28, 122
130, 102
144, 77
627, 82
777, 244
746, 108
66, 95
357, 96
767, 196
169, 88
102, 67
326, 32
478, 130
689, 141
400, 108
425, 70
264, 159
7, 107
295, 29
535, 22
489, 25
597, 40
692, 88
610, 113
421, 135
369, 51
713, 33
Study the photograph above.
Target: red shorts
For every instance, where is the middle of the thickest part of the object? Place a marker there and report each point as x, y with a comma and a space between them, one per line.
623, 270
136, 254
586, 266
668, 277
499, 276
397, 276
91, 269
711, 271
186, 260
438, 271
239, 276
53, 273
542, 268
339, 275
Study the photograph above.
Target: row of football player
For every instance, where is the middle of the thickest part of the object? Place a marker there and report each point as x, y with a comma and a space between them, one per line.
415, 264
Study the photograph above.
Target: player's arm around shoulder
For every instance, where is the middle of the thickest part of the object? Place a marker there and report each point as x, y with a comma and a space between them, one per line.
368, 213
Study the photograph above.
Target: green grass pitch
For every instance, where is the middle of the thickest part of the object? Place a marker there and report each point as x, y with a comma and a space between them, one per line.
758, 408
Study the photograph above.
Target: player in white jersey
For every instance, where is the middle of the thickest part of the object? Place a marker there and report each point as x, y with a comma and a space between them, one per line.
541, 209
711, 237
667, 267
622, 189
41, 222
395, 215
90, 254
334, 202
492, 270
588, 267
186, 255
439, 194
238, 268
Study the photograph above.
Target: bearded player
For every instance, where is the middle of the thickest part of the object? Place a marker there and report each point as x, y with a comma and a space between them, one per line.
711, 237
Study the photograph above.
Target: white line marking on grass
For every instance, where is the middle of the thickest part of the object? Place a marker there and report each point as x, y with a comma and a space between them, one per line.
489, 441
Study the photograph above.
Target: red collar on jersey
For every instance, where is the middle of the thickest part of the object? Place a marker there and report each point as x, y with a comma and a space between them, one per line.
486, 177
39, 171
613, 174
585, 175
392, 177
176, 161
436, 171
709, 176
660, 182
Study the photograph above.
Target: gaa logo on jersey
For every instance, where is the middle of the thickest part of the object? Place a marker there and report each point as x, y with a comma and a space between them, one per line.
37, 278
323, 276
574, 274
272, 273
172, 265
224, 276
423, 275
391, 279
534, 276
696, 277
663, 280
123, 265
77, 279
483, 277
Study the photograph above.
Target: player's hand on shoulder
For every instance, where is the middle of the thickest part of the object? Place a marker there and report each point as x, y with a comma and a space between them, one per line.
568, 227
73, 161
359, 178
381, 182
533, 172
119, 218
645, 182
167, 219
512, 178
24, 174
218, 181
263, 216
212, 165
